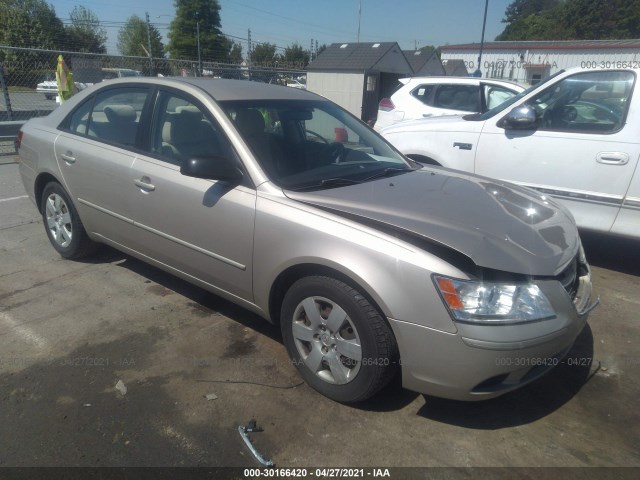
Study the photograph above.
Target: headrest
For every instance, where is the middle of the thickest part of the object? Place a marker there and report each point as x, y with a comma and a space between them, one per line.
120, 113
250, 122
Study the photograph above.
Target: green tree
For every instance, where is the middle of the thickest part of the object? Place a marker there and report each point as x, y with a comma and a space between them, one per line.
571, 20
85, 33
133, 41
235, 53
534, 20
193, 16
264, 54
295, 56
602, 19
30, 24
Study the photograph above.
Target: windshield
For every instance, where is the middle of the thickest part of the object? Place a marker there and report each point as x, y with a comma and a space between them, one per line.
478, 117
312, 144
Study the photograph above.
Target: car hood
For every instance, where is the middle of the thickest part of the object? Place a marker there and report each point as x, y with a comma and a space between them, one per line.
444, 123
496, 224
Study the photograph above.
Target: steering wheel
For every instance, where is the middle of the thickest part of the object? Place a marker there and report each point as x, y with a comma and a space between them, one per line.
568, 113
335, 151
316, 135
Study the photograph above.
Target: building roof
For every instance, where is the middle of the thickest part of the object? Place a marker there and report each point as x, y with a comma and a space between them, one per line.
351, 57
418, 59
455, 68
548, 45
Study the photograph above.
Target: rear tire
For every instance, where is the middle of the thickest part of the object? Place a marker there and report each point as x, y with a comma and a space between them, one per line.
62, 223
341, 345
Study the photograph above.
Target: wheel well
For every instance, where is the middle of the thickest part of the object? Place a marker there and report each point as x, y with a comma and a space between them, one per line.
423, 159
288, 277
41, 182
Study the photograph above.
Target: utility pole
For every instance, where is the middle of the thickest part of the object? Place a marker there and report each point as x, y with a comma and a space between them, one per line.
149, 45
359, 14
478, 72
249, 52
199, 58
311, 50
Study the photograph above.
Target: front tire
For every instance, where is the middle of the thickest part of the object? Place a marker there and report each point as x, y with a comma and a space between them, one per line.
62, 223
339, 342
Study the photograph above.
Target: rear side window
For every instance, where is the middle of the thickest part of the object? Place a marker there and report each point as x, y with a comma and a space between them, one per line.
112, 116
458, 97
422, 93
116, 113
80, 118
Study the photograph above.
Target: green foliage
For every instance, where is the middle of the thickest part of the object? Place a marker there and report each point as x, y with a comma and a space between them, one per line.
571, 20
85, 33
133, 41
235, 53
295, 57
603, 19
264, 54
30, 24
193, 16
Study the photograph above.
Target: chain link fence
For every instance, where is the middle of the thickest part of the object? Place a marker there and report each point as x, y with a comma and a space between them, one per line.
29, 89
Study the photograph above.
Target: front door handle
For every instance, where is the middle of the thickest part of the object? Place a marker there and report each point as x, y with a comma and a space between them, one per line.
612, 158
68, 157
144, 184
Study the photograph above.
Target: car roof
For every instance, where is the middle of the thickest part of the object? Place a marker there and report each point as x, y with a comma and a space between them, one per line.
462, 80
222, 89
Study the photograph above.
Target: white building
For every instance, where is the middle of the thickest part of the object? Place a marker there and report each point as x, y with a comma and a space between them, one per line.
530, 62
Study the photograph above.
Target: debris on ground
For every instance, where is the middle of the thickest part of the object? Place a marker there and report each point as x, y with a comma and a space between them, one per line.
211, 396
252, 427
121, 387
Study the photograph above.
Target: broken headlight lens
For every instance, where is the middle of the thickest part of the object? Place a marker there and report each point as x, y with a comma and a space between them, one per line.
493, 303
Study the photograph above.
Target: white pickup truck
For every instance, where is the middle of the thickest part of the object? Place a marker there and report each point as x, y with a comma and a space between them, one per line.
575, 137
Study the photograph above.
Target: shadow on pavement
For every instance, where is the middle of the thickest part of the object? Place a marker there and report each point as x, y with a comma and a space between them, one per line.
527, 404
65, 411
523, 406
613, 253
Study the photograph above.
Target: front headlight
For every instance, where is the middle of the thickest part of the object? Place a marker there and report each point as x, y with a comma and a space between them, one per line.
493, 303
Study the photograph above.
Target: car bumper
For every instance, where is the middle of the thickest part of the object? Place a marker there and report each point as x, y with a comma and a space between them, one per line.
482, 362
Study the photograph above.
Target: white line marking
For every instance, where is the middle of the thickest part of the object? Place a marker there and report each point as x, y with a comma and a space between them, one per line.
25, 333
13, 198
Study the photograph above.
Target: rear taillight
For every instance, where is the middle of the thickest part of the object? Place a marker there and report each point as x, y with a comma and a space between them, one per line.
19, 139
386, 105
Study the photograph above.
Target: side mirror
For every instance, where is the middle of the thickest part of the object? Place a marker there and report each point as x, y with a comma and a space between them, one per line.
520, 118
212, 168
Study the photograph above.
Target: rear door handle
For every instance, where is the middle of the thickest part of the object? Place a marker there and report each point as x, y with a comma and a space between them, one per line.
612, 158
144, 184
68, 157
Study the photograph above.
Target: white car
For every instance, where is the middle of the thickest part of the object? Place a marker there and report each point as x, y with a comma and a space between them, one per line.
573, 137
421, 97
49, 88
296, 84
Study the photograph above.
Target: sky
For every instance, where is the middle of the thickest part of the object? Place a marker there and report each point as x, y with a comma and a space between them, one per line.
411, 23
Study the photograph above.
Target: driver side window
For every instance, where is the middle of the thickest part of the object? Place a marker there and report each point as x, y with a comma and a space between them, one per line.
182, 130
593, 102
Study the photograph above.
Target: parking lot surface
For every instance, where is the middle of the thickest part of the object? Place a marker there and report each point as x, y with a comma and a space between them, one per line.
70, 332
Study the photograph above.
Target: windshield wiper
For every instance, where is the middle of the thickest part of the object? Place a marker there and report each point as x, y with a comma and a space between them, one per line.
387, 172
328, 182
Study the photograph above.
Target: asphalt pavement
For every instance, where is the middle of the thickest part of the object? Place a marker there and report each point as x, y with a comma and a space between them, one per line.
109, 362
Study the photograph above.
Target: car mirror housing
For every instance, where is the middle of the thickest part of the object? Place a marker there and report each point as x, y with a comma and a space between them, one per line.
212, 168
520, 118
